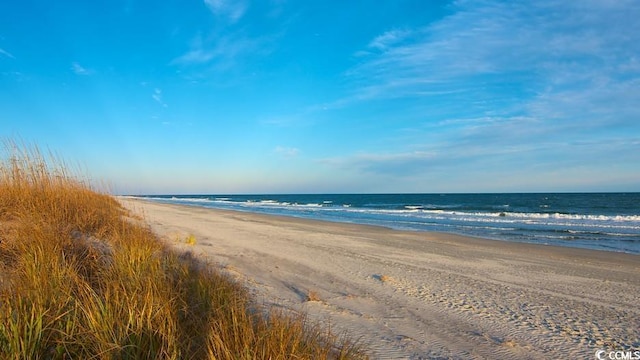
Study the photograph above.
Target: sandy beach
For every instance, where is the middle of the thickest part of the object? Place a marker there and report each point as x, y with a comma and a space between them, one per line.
418, 295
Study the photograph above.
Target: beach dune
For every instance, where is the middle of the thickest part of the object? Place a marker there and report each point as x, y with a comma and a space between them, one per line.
419, 295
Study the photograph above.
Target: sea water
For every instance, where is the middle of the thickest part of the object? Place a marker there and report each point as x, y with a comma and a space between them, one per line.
603, 221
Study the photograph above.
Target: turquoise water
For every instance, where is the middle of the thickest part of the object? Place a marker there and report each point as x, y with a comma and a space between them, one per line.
603, 221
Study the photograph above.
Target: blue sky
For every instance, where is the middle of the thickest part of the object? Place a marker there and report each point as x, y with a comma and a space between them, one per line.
283, 96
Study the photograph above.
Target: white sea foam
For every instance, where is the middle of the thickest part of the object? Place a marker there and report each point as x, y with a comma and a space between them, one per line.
313, 205
629, 221
179, 199
496, 222
269, 202
630, 218
634, 218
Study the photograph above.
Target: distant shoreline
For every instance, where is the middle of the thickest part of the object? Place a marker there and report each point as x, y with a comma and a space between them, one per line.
611, 224
459, 237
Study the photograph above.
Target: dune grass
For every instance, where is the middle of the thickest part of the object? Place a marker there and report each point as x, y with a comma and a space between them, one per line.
80, 280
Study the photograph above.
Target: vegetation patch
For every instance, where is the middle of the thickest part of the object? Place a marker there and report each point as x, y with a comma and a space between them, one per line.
313, 295
382, 278
190, 240
79, 280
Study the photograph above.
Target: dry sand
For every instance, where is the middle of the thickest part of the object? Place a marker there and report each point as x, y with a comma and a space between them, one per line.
411, 295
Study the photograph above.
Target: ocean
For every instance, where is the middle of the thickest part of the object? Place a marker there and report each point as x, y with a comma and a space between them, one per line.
602, 221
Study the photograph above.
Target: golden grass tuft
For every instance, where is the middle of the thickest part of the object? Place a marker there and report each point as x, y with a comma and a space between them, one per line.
382, 278
78, 280
190, 240
313, 295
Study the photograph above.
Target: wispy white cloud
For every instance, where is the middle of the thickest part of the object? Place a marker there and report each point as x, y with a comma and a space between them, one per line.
388, 39
233, 42
157, 96
534, 49
197, 53
281, 120
80, 70
507, 81
222, 52
230, 9
400, 164
6, 54
538, 165
287, 152
221, 49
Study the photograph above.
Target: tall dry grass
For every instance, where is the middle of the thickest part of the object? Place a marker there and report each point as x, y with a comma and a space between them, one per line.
78, 280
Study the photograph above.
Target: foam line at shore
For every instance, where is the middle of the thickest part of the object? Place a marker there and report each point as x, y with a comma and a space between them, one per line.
568, 222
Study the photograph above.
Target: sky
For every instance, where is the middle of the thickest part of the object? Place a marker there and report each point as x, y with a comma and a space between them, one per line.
286, 96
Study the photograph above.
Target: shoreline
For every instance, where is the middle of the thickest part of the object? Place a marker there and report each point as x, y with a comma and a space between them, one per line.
521, 232
412, 294
439, 234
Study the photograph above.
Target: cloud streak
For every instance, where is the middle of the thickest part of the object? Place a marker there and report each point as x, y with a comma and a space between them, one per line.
6, 54
447, 163
233, 10
222, 51
157, 96
235, 40
287, 152
506, 80
79, 70
388, 39
579, 50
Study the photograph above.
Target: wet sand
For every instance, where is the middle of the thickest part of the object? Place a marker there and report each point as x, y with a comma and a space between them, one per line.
419, 295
